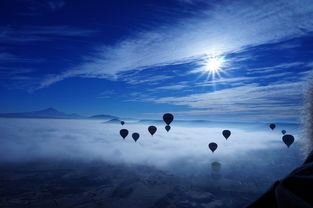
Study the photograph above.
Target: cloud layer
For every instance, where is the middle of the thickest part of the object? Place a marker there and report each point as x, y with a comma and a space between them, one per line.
87, 140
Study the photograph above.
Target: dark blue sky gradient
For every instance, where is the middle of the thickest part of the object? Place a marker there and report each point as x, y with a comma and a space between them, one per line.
142, 58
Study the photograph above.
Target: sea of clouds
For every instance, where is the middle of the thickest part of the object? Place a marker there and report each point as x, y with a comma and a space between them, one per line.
183, 147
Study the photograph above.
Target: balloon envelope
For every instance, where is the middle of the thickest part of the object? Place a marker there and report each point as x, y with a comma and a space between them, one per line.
272, 126
168, 118
216, 166
167, 128
283, 132
152, 129
213, 146
124, 133
135, 136
226, 134
288, 139
122, 122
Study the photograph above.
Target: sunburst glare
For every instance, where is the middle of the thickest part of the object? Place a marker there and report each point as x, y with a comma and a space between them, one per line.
213, 66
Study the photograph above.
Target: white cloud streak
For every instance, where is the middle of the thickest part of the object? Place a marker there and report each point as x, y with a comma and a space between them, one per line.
277, 100
225, 27
171, 87
275, 68
41, 33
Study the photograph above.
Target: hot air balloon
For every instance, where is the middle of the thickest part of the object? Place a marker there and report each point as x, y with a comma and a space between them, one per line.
168, 118
167, 128
152, 129
124, 133
216, 166
226, 134
288, 139
122, 122
213, 146
272, 126
135, 136
283, 132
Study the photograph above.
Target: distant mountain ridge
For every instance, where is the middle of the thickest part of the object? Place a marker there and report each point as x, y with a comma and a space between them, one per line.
45, 113
103, 116
53, 113
113, 121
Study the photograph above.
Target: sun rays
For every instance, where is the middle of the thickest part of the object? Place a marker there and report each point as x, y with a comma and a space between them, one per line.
213, 66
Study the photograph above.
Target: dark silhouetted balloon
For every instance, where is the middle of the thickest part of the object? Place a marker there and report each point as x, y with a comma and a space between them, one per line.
167, 128
213, 146
135, 136
216, 166
122, 122
283, 132
226, 134
124, 133
152, 129
168, 118
272, 126
288, 139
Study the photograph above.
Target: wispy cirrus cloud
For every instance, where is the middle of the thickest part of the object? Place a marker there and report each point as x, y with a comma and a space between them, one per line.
106, 94
278, 100
275, 68
9, 57
41, 33
37, 7
231, 81
55, 5
277, 93
172, 87
15, 38
152, 80
220, 29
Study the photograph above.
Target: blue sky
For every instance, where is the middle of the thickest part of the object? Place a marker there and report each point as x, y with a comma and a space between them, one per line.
143, 58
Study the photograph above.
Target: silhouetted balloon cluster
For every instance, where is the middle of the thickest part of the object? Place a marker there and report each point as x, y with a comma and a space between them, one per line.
287, 138
124, 133
167, 118
213, 146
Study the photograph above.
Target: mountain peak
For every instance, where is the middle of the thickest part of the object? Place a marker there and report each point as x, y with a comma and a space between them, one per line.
50, 110
103, 116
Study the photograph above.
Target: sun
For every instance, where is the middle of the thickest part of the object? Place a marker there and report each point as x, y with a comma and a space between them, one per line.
213, 65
